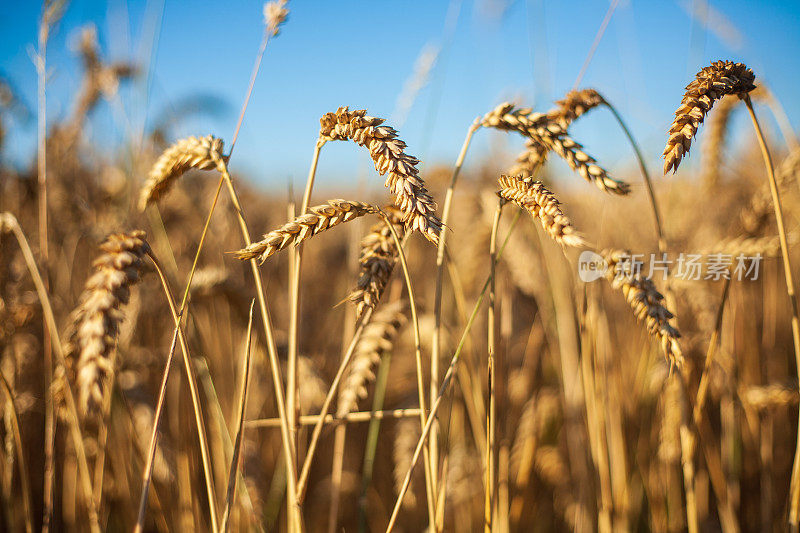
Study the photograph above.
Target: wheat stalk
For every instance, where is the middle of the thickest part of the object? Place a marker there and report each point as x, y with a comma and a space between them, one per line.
646, 302
321, 218
390, 159
186, 154
710, 84
376, 262
96, 321
534, 197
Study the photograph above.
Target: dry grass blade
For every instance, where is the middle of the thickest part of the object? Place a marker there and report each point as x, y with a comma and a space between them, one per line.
186, 154
376, 262
645, 300
534, 197
710, 84
237, 446
321, 218
376, 340
96, 321
388, 154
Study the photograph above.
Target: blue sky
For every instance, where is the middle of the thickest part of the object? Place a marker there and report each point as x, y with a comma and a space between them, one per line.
361, 53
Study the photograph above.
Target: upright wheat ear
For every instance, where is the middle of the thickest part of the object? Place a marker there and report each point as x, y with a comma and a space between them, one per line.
710, 84
95, 323
378, 257
534, 197
305, 226
387, 152
186, 154
645, 300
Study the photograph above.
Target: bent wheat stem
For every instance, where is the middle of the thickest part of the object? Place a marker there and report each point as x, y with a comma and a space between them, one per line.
794, 499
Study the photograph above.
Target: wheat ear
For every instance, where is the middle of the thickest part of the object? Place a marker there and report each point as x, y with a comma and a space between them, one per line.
534, 197
710, 84
376, 340
545, 134
321, 218
390, 159
376, 262
186, 154
96, 321
575, 103
646, 302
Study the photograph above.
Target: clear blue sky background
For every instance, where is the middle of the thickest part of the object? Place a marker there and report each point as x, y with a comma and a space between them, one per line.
361, 53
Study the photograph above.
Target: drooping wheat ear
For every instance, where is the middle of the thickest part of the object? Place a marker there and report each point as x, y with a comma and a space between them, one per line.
710, 84
387, 152
320, 218
575, 103
714, 142
186, 154
534, 197
645, 300
377, 260
275, 14
770, 396
768, 246
406, 435
96, 321
758, 212
669, 440
376, 340
545, 134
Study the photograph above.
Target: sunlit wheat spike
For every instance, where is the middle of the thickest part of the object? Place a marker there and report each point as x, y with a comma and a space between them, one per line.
319, 219
378, 257
710, 84
575, 103
546, 134
758, 213
202, 153
390, 159
96, 320
275, 14
376, 340
534, 197
645, 300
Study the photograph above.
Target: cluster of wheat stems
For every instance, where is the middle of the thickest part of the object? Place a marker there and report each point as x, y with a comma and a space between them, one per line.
509, 379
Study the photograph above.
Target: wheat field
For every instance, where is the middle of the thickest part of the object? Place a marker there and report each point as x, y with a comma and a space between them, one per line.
496, 344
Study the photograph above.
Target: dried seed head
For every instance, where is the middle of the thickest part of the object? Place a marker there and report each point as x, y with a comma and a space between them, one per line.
545, 134
379, 255
645, 300
319, 219
770, 396
387, 152
758, 213
275, 14
714, 142
204, 153
574, 104
376, 340
710, 84
96, 321
534, 197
